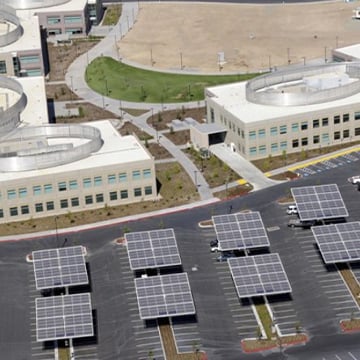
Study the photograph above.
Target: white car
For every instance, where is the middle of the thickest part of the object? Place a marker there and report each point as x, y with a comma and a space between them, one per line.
292, 210
354, 179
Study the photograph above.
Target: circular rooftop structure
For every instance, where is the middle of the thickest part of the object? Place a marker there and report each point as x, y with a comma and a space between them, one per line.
33, 4
305, 85
10, 27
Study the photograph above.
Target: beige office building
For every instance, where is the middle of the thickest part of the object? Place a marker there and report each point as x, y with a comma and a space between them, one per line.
288, 111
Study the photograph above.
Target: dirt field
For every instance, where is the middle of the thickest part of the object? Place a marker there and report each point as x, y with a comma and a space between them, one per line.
252, 37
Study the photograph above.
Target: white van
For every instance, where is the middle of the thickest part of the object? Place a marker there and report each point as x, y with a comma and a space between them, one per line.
354, 179
292, 209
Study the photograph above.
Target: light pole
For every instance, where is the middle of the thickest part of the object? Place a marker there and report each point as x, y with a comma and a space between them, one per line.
304, 58
151, 57
269, 62
127, 20
325, 48
195, 175
288, 55
56, 231
120, 30
120, 108
72, 89
181, 61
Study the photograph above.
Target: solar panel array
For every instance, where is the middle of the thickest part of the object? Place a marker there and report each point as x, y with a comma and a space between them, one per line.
319, 202
150, 249
338, 242
240, 231
63, 317
164, 295
59, 267
259, 275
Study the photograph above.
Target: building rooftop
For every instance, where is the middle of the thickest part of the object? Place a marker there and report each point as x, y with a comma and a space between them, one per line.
352, 50
73, 5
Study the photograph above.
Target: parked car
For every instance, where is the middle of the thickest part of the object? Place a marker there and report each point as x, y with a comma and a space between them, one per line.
291, 210
214, 245
303, 224
225, 256
354, 179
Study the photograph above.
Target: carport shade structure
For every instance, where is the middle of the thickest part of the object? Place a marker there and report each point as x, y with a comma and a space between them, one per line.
64, 317
152, 249
338, 242
164, 296
259, 275
240, 231
59, 267
319, 202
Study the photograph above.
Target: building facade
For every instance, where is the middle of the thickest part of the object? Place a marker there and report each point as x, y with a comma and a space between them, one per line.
290, 111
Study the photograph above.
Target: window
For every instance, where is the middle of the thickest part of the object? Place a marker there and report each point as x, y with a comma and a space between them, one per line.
97, 181
122, 177
137, 192
24, 209
242, 134
75, 201
72, 19
357, 115
22, 192
253, 151
147, 174
316, 139
283, 129
99, 198
337, 119
316, 123
212, 115
325, 137
50, 206
113, 195
295, 143
262, 149
336, 135
86, 182
325, 121
283, 145
62, 186
136, 175
261, 133
274, 147
252, 135
304, 125
13, 211
148, 190
73, 185
111, 179
346, 117
88, 199
48, 188
304, 141
11, 194
357, 131
274, 131
37, 190
3, 67
295, 127
39, 207
1, 213
64, 203
29, 59
346, 134
52, 20
123, 194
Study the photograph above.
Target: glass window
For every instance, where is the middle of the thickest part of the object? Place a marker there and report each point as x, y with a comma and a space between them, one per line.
295, 143
325, 137
357, 131
337, 119
111, 179
325, 121
86, 182
283, 145
39, 207
261, 133
24, 209
262, 149
29, 59
50, 205
252, 135
295, 127
146, 173
124, 194
304, 125
11, 194
48, 188
22, 192
253, 151
37, 190
51, 20
346, 134
274, 147
97, 181
136, 175
2, 67
346, 117
75, 201
73, 185
316, 139
316, 123
242, 134
64, 203
283, 129
122, 177
99, 198
88, 199
304, 141
274, 131
113, 195
72, 19
13, 211
62, 186
1, 213
137, 192
336, 135
357, 115
148, 190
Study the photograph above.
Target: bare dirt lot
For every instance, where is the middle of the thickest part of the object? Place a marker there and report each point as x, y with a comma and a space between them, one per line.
252, 37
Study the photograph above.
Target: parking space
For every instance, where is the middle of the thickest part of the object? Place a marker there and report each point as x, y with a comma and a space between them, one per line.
186, 333
344, 355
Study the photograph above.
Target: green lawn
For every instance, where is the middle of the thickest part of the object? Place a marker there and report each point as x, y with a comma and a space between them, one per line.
119, 81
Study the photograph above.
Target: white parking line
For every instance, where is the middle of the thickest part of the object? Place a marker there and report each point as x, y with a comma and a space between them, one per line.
344, 307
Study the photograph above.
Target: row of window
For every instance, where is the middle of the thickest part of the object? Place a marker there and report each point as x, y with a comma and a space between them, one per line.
275, 147
74, 185
53, 20
75, 201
